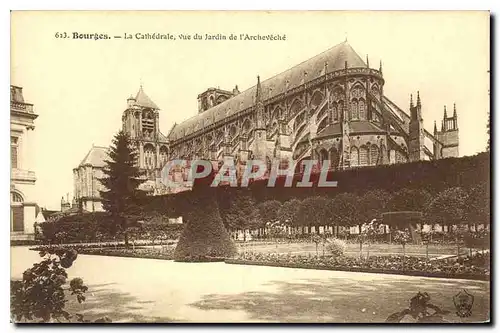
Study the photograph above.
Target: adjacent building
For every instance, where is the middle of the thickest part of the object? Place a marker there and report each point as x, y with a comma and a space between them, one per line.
86, 177
22, 183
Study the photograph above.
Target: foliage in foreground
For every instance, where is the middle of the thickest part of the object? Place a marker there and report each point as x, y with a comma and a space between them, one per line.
421, 309
40, 295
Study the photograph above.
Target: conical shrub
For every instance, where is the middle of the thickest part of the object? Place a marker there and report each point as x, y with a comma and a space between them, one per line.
204, 236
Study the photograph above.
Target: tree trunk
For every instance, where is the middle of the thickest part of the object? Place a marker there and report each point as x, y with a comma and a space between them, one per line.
427, 250
361, 249
126, 239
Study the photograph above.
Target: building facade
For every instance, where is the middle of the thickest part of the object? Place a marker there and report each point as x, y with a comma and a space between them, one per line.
86, 195
330, 107
22, 179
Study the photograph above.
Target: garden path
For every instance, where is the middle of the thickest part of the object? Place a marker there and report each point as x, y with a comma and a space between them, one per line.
148, 290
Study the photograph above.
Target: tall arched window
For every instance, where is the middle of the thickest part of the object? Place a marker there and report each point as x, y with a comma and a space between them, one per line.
374, 155
340, 109
362, 109
363, 156
335, 112
354, 157
354, 109
163, 155
149, 156
323, 155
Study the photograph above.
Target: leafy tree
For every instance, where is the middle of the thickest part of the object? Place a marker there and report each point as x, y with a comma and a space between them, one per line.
478, 207
449, 207
287, 213
313, 211
371, 205
242, 214
409, 200
121, 196
269, 211
345, 210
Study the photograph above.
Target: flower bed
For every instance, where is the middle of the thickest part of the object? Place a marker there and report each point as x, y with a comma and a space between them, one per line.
120, 251
476, 268
147, 253
114, 245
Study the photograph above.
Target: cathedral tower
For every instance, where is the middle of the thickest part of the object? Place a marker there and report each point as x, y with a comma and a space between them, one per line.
141, 122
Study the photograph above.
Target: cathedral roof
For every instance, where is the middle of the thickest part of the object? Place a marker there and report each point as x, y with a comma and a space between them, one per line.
334, 58
141, 99
95, 157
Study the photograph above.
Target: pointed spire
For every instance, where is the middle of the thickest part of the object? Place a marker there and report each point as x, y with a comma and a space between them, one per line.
380, 67
435, 128
259, 105
454, 110
143, 100
259, 91
418, 99
442, 125
367, 62
411, 101
445, 114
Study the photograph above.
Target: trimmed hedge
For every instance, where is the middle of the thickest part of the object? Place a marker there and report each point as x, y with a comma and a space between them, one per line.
204, 235
432, 176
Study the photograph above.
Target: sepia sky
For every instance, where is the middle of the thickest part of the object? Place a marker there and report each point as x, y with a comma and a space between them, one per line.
79, 87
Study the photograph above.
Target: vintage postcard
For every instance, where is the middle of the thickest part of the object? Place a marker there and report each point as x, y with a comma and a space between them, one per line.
244, 167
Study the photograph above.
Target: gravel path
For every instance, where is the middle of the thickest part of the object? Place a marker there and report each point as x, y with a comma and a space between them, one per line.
148, 290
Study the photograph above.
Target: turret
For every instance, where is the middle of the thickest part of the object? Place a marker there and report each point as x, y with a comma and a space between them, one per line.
130, 101
448, 135
416, 131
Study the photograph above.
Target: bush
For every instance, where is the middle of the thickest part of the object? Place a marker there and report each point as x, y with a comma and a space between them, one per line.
40, 295
204, 235
336, 246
